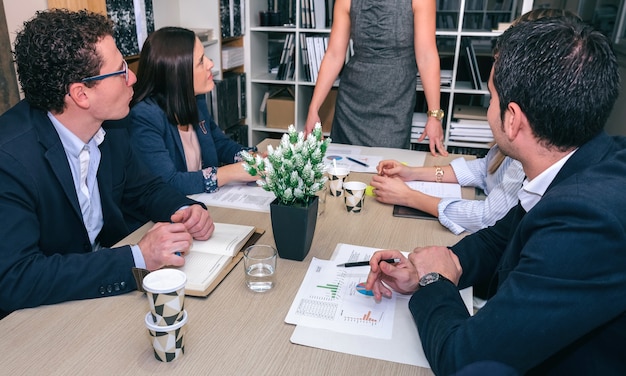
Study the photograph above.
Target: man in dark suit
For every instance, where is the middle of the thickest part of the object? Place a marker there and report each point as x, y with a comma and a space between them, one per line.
555, 265
68, 177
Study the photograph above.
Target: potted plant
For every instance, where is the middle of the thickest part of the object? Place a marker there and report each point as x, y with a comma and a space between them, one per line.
294, 172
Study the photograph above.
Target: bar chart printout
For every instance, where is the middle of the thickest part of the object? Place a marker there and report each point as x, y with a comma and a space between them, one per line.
334, 298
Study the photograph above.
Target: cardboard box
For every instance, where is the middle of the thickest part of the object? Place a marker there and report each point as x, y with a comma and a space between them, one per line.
281, 109
327, 111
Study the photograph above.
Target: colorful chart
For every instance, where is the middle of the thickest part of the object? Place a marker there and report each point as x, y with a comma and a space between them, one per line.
361, 288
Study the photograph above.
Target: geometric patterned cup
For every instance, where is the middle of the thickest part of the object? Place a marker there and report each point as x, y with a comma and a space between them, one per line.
354, 195
336, 175
165, 289
168, 342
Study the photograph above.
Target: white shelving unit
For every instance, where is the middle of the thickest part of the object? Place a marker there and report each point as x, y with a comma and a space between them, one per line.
481, 12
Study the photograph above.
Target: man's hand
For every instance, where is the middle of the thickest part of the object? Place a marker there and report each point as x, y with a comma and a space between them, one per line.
160, 245
436, 259
197, 221
401, 277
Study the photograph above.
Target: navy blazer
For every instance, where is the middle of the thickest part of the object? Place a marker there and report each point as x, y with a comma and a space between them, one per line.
44, 246
559, 277
158, 144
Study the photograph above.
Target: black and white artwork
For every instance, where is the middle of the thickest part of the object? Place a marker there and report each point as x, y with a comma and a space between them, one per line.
134, 20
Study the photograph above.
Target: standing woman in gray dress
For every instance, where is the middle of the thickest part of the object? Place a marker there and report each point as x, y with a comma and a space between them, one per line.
377, 89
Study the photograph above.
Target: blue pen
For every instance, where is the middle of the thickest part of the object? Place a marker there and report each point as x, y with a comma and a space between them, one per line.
358, 162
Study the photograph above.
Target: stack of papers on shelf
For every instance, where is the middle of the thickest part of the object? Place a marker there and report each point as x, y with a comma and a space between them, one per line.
333, 311
470, 130
446, 78
470, 125
417, 125
232, 57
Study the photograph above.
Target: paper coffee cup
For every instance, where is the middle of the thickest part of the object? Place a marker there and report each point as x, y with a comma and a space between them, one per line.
336, 175
165, 289
168, 342
354, 195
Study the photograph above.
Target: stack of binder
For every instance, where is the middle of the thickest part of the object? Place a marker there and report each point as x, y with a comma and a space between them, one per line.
232, 18
316, 14
286, 66
227, 100
470, 125
472, 63
315, 49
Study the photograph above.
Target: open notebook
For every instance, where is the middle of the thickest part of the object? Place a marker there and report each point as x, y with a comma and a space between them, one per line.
209, 261
430, 188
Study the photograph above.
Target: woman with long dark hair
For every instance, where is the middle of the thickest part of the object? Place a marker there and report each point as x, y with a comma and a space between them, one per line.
172, 129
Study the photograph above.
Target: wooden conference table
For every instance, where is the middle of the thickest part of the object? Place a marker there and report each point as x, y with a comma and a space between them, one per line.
233, 331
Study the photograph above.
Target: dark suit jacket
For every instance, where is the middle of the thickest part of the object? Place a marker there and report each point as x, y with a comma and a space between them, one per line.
158, 144
45, 250
559, 277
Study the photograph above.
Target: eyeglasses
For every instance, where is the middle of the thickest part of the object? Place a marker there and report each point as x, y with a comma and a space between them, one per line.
107, 75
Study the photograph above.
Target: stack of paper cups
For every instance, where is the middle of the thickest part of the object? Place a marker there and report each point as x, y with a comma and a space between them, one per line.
166, 320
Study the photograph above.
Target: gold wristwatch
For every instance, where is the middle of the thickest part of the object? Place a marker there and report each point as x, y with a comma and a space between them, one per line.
438, 114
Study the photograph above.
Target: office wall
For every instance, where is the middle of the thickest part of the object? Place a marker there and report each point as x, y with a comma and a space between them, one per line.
18, 11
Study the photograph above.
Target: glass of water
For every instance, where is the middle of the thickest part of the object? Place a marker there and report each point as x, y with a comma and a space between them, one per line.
260, 266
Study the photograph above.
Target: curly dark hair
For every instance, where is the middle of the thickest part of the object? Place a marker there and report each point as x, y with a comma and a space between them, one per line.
55, 48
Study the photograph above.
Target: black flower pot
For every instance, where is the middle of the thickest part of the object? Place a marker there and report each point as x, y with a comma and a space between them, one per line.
293, 227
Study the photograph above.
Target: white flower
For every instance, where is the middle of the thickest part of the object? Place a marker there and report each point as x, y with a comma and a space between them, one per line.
293, 171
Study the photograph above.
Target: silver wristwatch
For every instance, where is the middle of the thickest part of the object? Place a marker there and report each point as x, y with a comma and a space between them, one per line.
432, 277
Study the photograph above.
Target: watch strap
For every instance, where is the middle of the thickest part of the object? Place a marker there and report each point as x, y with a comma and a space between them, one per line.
432, 277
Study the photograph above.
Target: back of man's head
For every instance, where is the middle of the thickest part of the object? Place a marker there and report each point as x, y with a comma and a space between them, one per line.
562, 73
55, 48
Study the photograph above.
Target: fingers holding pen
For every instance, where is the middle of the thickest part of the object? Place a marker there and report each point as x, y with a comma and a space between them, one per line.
384, 276
165, 244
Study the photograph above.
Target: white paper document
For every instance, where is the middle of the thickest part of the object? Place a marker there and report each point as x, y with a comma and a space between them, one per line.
436, 189
238, 196
356, 163
351, 157
335, 298
402, 344
370, 156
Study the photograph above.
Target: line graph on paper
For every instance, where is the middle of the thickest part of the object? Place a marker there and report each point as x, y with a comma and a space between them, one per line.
329, 298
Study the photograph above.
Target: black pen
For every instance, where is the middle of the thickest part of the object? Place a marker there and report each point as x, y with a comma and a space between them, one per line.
358, 162
366, 263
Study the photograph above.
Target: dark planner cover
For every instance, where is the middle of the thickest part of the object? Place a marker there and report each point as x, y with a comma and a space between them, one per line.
407, 212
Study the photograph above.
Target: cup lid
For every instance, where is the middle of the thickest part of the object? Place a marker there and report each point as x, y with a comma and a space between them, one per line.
354, 185
164, 281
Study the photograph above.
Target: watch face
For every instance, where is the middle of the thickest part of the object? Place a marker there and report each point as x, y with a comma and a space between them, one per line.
429, 278
438, 114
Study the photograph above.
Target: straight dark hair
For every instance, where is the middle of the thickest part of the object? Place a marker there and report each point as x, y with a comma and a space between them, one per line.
165, 74
562, 73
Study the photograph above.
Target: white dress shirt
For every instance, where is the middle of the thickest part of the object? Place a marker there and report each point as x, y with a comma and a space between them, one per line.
501, 188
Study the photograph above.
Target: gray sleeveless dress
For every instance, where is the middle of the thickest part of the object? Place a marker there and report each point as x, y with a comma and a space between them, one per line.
376, 93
